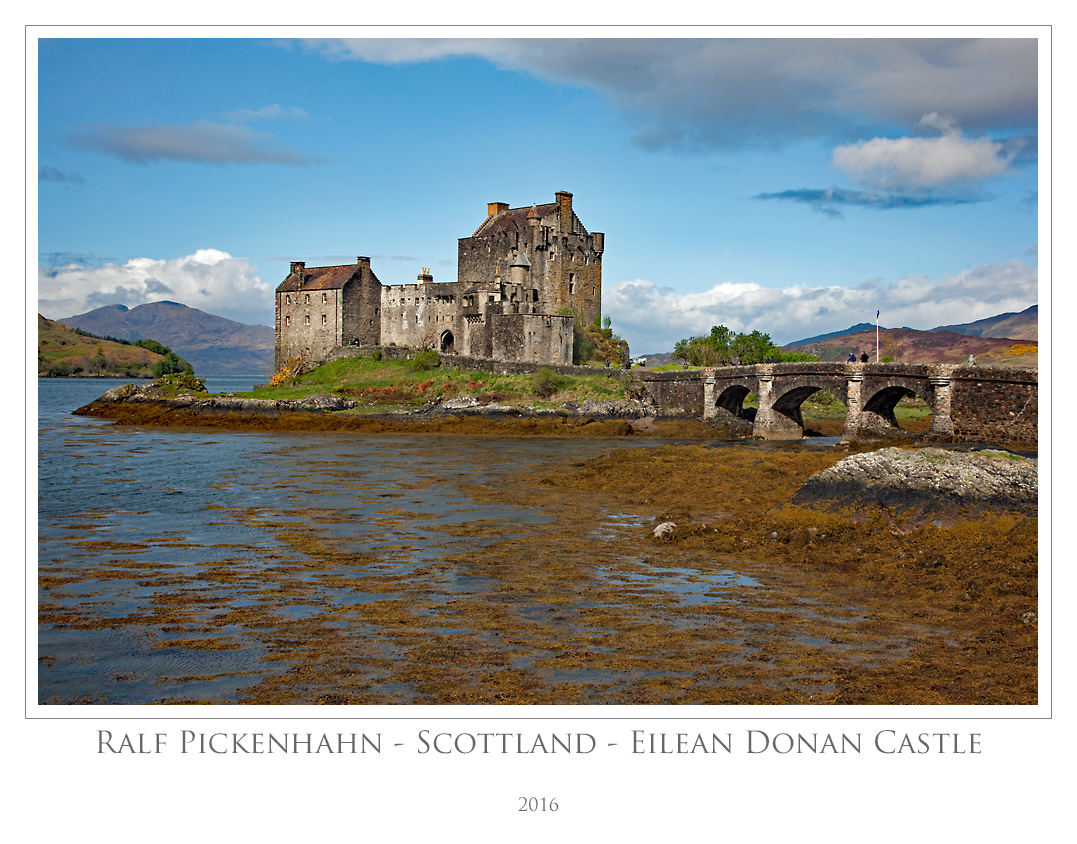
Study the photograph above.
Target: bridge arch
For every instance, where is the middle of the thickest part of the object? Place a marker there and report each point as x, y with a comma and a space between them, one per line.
731, 400
879, 397
782, 393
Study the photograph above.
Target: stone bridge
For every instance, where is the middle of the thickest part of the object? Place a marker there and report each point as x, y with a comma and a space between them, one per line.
968, 403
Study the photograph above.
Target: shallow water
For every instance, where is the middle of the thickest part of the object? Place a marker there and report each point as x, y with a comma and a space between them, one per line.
182, 564
172, 503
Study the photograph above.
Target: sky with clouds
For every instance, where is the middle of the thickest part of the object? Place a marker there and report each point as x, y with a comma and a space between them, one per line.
789, 185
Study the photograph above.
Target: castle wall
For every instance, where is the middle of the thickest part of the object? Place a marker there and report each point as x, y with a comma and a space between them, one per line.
574, 280
419, 314
535, 338
361, 310
308, 324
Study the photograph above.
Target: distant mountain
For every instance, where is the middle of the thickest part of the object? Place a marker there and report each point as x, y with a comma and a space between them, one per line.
214, 345
1022, 326
853, 329
911, 346
658, 358
1005, 340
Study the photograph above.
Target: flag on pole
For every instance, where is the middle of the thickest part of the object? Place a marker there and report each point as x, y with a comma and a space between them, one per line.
876, 315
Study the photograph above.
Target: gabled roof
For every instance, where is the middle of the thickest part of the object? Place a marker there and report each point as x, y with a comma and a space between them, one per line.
320, 278
516, 218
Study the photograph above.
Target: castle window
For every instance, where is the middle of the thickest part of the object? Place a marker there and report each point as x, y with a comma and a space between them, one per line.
572, 282
325, 298
325, 319
289, 299
307, 299
287, 320
306, 320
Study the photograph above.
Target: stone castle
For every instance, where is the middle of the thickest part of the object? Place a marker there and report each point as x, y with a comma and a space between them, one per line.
523, 276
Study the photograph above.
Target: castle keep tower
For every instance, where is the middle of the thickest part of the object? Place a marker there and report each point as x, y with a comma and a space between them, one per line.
565, 259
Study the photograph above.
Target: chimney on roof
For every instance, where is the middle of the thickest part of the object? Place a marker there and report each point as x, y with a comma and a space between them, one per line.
363, 262
564, 211
533, 218
495, 208
425, 277
299, 268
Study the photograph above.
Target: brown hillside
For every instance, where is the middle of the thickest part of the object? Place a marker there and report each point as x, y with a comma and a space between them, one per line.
63, 351
1023, 326
913, 346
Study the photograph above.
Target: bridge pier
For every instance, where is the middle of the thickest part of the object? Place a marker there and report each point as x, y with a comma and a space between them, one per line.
774, 421
709, 397
853, 407
942, 423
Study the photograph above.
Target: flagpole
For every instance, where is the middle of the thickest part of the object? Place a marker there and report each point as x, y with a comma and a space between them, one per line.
876, 336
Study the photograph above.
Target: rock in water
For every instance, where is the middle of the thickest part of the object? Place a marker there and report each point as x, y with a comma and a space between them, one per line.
925, 480
665, 529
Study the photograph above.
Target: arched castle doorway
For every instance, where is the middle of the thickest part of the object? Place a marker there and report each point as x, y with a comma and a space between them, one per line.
447, 341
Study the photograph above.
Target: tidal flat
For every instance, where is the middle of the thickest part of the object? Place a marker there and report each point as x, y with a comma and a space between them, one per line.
443, 568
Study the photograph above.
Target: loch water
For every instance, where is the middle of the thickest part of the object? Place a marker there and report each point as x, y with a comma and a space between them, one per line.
118, 503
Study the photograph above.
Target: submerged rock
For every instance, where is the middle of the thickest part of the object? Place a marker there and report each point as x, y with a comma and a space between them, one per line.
926, 479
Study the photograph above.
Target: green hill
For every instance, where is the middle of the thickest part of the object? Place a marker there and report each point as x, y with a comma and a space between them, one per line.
63, 351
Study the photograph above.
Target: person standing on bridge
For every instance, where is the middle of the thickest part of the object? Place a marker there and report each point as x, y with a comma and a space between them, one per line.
863, 357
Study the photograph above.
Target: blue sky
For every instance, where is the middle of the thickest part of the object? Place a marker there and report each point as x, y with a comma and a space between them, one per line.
793, 186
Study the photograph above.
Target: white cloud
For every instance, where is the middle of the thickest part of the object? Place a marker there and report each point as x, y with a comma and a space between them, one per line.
210, 280
936, 122
923, 163
652, 319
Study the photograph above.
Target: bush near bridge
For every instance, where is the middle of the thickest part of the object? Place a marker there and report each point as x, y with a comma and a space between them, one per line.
725, 347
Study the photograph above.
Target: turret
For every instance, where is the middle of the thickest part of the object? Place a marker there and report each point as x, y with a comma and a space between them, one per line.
519, 270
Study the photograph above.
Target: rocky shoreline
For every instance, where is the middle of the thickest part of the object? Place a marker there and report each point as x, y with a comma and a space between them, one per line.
150, 404
928, 481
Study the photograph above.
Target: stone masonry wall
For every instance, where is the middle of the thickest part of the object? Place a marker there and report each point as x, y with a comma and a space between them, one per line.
994, 404
308, 323
683, 389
